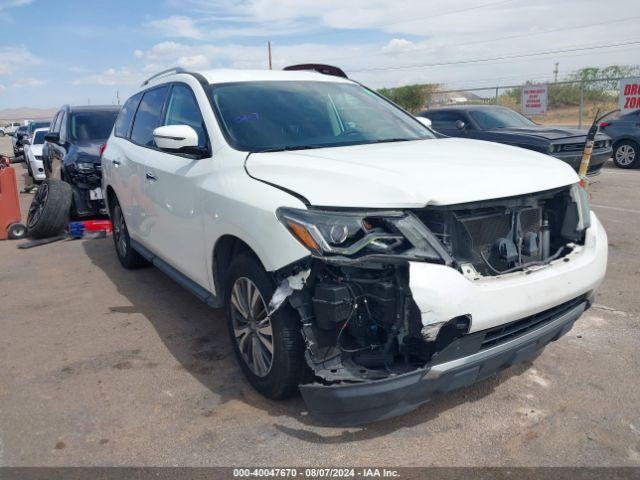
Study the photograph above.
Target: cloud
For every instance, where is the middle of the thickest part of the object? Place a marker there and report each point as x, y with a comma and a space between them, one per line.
193, 61
2, 88
15, 58
399, 45
176, 26
110, 77
6, 4
29, 83
138, 53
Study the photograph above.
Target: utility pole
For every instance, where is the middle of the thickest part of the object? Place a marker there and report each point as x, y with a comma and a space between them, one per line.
118, 97
555, 73
269, 49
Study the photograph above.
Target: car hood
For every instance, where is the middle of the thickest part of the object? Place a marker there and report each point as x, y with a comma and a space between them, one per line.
36, 149
544, 132
88, 151
410, 174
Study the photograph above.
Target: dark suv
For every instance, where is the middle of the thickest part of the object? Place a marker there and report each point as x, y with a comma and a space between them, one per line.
71, 153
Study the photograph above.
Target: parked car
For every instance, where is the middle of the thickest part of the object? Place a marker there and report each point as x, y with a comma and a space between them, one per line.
33, 155
16, 140
503, 125
359, 258
71, 160
32, 126
625, 132
9, 128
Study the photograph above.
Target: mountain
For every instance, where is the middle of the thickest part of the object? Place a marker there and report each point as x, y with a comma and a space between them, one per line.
26, 113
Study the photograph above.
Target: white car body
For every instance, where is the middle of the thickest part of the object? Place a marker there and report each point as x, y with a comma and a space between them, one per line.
179, 208
33, 155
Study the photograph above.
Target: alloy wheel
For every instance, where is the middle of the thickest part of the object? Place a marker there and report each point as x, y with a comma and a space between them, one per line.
37, 205
119, 231
625, 154
252, 326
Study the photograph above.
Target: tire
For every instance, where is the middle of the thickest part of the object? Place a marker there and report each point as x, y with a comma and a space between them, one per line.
285, 363
49, 211
129, 258
16, 231
626, 154
1, 133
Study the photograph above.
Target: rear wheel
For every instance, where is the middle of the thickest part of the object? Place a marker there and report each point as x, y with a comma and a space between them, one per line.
128, 257
626, 154
49, 212
269, 348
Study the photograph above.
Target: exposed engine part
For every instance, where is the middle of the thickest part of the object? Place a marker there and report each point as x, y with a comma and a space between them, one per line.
505, 235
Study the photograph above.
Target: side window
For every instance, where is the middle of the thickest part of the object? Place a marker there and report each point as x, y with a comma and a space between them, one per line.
123, 122
182, 109
445, 119
148, 116
55, 125
63, 126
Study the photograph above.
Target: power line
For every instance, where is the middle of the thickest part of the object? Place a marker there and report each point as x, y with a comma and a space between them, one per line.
508, 37
490, 59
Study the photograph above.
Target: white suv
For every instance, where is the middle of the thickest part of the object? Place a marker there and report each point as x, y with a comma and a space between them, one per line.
359, 258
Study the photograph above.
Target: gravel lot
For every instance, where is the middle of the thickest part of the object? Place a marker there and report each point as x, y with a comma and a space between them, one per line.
102, 366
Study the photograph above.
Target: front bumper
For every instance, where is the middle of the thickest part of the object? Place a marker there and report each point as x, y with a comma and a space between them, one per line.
357, 404
598, 159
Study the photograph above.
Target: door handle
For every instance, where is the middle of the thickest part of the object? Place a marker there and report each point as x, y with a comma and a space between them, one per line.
116, 162
150, 176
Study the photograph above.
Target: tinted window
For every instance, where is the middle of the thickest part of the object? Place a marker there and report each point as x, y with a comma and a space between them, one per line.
123, 123
444, 119
148, 116
258, 116
39, 137
86, 126
182, 109
35, 125
490, 118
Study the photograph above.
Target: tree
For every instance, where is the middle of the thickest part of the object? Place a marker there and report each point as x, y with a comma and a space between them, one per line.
410, 97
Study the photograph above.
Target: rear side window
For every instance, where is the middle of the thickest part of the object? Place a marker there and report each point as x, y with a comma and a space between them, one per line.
149, 116
444, 119
182, 109
123, 123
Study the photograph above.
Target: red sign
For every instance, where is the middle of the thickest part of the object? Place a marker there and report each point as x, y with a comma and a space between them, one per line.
629, 94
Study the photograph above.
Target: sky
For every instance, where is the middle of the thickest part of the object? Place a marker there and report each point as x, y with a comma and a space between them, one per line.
81, 51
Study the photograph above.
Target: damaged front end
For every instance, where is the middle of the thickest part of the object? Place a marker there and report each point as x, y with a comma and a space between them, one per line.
369, 344
85, 178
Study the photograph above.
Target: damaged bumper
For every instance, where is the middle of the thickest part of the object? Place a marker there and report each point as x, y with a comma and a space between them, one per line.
455, 367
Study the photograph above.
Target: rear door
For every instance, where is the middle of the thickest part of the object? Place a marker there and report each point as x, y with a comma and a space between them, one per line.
172, 187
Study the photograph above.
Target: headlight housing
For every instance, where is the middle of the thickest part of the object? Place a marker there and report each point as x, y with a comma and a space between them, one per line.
358, 234
554, 148
581, 197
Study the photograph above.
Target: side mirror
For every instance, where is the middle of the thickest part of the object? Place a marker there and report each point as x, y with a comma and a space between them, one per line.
425, 121
177, 139
52, 137
460, 125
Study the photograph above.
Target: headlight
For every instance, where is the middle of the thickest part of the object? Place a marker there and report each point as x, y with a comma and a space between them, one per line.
85, 167
358, 234
554, 148
581, 197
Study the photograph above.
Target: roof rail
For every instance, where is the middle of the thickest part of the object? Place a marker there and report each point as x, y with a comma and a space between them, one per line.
163, 73
320, 68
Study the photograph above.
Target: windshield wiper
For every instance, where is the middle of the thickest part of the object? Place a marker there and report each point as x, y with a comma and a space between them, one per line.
289, 148
390, 140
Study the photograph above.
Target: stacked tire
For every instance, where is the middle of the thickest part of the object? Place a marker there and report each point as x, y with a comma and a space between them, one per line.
49, 212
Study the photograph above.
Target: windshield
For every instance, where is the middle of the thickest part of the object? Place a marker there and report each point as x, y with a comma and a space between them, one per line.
92, 125
39, 137
34, 125
290, 115
491, 118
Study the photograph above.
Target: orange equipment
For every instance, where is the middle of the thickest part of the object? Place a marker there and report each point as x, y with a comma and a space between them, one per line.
10, 226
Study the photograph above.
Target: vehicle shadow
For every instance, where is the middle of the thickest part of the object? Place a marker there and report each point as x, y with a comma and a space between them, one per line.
197, 337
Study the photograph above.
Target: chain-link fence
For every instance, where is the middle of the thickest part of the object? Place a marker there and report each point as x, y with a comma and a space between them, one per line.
569, 103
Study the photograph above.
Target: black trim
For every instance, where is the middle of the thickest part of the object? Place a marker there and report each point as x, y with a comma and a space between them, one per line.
361, 403
202, 293
284, 189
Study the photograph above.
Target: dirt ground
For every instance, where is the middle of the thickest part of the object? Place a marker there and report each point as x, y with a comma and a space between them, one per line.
102, 366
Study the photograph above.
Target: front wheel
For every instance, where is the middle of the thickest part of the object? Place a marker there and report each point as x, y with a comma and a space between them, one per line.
626, 155
268, 347
128, 257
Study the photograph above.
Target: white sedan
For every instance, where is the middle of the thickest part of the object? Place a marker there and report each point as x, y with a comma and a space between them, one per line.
33, 154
